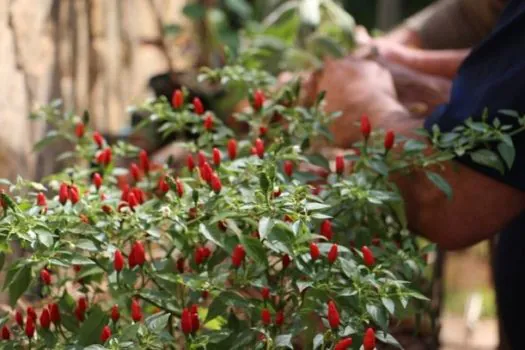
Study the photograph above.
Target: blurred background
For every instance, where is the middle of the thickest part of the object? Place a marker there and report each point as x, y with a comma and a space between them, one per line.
104, 55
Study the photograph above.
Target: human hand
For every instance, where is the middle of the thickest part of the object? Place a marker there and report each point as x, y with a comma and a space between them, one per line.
355, 87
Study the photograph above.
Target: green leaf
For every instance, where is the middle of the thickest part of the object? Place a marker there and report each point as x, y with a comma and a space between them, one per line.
487, 158
209, 235
265, 226
44, 236
19, 284
255, 250
414, 146
440, 182
240, 7
318, 341
157, 322
388, 339
379, 166
194, 11
129, 332
389, 305
316, 206
265, 183
507, 152
46, 140
378, 315
284, 341
89, 332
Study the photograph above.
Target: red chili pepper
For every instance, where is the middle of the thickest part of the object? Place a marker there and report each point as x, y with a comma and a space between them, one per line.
186, 321
74, 195
177, 99
216, 184
105, 334
197, 106
339, 164
265, 292
132, 200
343, 344
369, 340
202, 158
19, 319
190, 163
333, 315
208, 122
136, 310
97, 180
206, 172
217, 156
263, 130
79, 314
41, 200
63, 194
134, 171
6, 334
259, 148
366, 128
144, 161
368, 256
54, 312
45, 319
180, 264
82, 304
326, 229
79, 130
180, 187
31, 313
238, 256
30, 327
288, 168
279, 318
199, 255
266, 317
118, 261
195, 323
163, 185
332, 254
99, 140
139, 194
232, 149
258, 100
314, 251
389, 139
286, 261
115, 313
45, 276
137, 256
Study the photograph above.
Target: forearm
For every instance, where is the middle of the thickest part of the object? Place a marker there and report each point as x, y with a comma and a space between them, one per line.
440, 63
480, 206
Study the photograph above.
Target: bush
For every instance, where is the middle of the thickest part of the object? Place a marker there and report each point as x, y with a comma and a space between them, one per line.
246, 247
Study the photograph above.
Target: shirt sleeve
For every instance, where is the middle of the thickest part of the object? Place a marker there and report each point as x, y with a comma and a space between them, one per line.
455, 24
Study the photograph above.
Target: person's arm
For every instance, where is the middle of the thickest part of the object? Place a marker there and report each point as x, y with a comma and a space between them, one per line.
443, 63
449, 24
480, 208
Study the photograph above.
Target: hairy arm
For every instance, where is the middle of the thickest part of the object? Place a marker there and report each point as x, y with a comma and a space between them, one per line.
480, 208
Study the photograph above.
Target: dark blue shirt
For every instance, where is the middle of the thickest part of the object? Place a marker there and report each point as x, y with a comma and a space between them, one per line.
493, 77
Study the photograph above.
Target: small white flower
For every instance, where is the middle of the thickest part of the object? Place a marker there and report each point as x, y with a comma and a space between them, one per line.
166, 212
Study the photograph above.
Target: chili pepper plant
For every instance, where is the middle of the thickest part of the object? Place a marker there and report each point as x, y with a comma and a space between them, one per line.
243, 247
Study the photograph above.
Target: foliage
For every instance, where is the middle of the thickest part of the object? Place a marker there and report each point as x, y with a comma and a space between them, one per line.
224, 254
